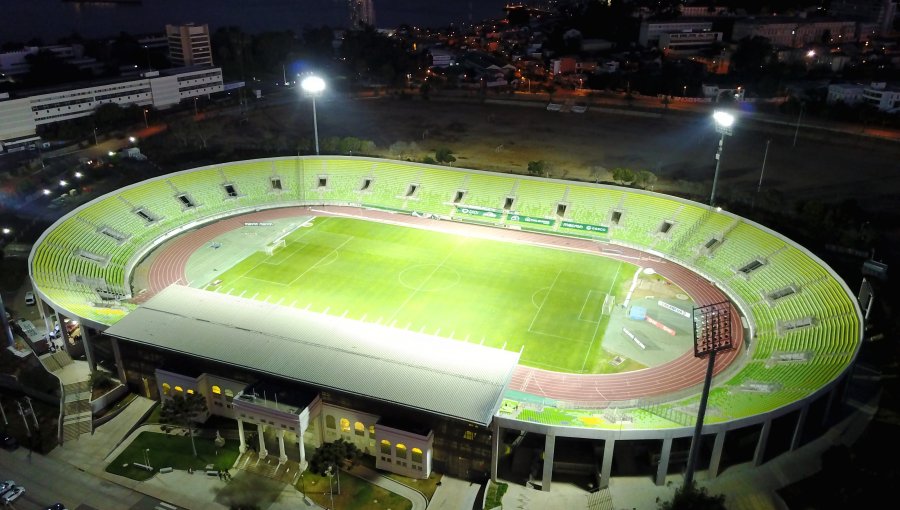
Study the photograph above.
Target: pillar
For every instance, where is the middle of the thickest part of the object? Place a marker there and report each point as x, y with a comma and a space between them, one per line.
302, 448
282, 455
117, 358
826, 416
715, 462
608, 448
760, 452
243, 444
547, 476
798, 429
262, 441
663, 468
495, 450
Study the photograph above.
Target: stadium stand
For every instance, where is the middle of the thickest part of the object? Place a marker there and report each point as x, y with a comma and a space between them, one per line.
789, 364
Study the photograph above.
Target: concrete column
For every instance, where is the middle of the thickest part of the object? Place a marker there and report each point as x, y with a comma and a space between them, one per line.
826, 416
302, 449
86, 342
282, 455
663, 468
547, 476
262, 441
798, 429
117, 356
243, 446
760, 452
608, 448
495, 449
715, 461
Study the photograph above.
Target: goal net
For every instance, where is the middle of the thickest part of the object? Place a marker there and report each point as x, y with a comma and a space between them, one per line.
274, 246
608, 304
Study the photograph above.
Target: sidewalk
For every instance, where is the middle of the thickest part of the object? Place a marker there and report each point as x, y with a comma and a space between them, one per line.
418, 499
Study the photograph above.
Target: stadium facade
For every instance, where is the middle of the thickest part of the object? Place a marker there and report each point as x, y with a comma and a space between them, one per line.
801, 325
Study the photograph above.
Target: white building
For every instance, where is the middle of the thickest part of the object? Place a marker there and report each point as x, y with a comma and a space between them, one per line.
796, 32
687, 42
652, 30
19, 117
878, 94
189, 45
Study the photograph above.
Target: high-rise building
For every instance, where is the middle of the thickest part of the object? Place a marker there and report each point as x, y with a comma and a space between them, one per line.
362, 13
189, 45
880, 12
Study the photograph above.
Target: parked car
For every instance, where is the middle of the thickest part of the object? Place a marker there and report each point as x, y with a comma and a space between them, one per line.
12, 494
7, 485
29, 298
56, 506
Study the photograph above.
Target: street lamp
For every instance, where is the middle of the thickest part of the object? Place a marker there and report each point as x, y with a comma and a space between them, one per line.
724, 121
313, 86
330, 474
146, 123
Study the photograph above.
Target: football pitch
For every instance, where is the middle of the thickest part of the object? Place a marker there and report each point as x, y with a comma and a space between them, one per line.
548, 303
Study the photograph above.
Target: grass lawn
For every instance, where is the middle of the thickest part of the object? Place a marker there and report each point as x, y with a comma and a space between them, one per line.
167, 450
355, 493
494, 497
545, 301
426, 487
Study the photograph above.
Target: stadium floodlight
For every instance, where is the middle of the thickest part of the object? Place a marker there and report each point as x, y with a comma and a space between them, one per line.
314, 86
712, 334
724, 122
6, 230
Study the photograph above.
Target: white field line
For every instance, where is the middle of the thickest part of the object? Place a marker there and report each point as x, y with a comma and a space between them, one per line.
597, 327
544, 301
421, 285
310, 268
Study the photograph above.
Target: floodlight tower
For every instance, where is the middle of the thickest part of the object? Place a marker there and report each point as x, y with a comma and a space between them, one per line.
712, 333
724, 121
313, 86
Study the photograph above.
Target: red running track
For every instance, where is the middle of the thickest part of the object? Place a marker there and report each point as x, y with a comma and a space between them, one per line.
587, 390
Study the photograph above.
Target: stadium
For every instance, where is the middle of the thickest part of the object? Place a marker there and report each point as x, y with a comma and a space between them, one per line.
485, 317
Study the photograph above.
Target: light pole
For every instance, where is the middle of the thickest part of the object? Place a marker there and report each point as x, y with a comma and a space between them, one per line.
195, 106
147, 458
313, 85
762, 172
724, 121
330, 474
146, 122
799, 116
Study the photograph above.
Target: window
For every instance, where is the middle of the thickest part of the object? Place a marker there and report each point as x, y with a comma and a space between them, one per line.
411, 190
366, 184
615, 217
230, 190
417, 455
751, 266
216, 390
469, 434
458, 196
372, 431
229, 394
508, 203
186, 201
179, 389
400, 450
345, 425
166, 389
665, 227
782, 293
712, 243
323, 181
276, 183
359, 429
385, 446
329, 422
561, 209
190, 391
146, 215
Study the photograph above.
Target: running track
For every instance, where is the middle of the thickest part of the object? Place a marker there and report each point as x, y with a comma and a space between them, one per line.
583, 390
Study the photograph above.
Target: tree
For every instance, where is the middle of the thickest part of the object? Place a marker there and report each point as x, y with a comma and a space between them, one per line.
184, 410
444, 155
623, 175
690, 497
645, 179
334, 455
538, 167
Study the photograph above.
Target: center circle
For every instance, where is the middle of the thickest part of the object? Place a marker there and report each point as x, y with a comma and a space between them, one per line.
428, 277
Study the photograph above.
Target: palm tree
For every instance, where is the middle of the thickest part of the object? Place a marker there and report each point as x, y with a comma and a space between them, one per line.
184, 410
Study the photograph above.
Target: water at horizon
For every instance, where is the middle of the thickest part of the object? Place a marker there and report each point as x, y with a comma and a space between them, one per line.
49, 20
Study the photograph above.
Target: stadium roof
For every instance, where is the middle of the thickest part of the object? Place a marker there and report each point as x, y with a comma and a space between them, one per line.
437, 375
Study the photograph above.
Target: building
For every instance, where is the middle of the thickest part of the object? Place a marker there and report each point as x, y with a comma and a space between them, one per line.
879, 12
13, 63
652, 30
160, 89
797, 32
189, 45
362, 14
689, 41
877, 94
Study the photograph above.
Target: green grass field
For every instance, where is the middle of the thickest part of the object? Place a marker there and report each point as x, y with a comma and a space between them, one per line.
500, 294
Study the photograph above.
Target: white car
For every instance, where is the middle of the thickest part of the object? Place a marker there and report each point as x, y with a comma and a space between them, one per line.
7, 485
12, 494
29, 298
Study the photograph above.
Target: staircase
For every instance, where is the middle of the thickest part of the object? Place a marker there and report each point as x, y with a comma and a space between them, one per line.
77, 415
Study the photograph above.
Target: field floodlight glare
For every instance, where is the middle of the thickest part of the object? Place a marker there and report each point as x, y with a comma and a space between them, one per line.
723, 119
313, 85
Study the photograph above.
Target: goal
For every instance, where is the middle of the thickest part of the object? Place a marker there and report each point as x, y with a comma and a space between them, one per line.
274, 246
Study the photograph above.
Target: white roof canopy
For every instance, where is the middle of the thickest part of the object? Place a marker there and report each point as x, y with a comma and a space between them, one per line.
437, 375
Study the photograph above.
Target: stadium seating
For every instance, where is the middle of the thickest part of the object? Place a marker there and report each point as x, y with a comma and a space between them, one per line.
70, 280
